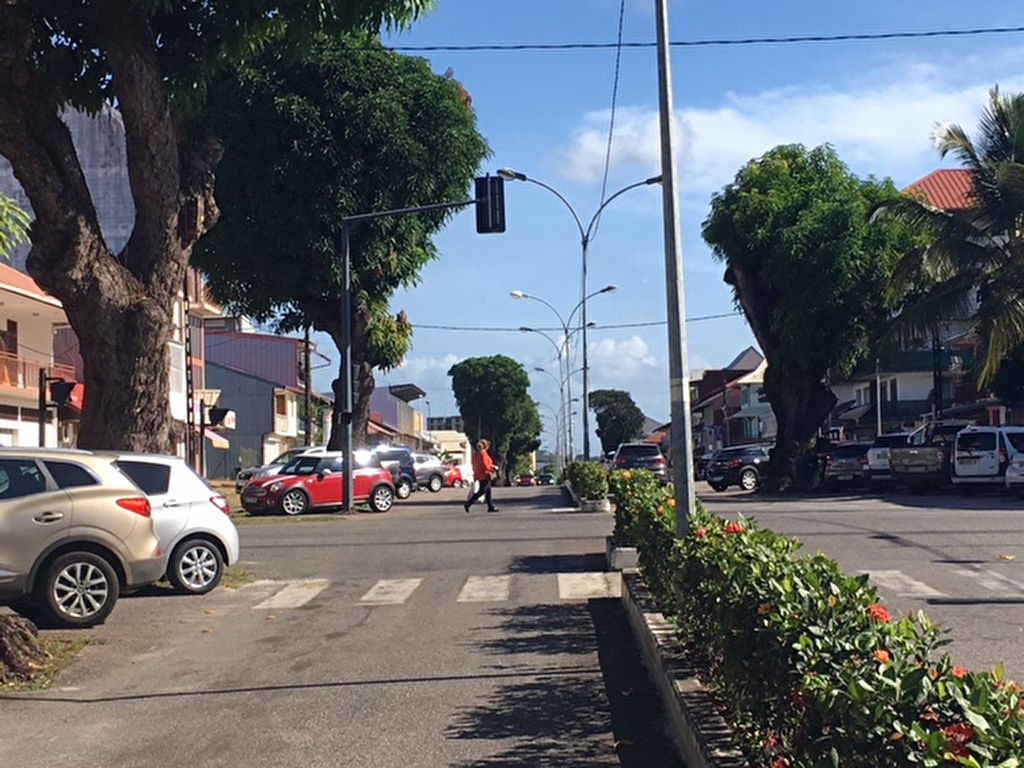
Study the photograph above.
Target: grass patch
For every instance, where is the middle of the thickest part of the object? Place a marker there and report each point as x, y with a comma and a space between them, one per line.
235, 577
60, 651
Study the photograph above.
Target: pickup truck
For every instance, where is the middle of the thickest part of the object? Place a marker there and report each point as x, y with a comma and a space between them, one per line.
924, 462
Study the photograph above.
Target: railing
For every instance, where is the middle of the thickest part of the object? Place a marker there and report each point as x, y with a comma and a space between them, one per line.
23, 373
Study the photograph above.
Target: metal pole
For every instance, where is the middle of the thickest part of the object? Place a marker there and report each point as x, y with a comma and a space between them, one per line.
679, 367
584, 400
344, 415
42, 408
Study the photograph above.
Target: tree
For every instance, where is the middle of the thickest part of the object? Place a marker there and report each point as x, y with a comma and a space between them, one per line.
809, 274
618, 418
347, 128
154, 60
491, 393
974, 264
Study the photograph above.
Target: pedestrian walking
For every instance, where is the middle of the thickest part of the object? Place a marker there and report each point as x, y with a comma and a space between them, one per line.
485, 471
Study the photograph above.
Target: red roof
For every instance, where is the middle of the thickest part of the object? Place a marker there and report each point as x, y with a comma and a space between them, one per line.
12, 278
948, 189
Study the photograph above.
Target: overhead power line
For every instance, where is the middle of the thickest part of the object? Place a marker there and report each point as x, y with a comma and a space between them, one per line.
603, 327
716, 42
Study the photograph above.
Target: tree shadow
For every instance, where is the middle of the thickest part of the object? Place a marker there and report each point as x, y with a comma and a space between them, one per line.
584, 563
562, 715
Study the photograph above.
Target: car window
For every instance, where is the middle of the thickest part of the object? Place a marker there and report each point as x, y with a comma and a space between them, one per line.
639, 450
976, 441
301, 465
154, 479
68, 475
333, 464
886, 441
20, 477
1015, 439
848, 451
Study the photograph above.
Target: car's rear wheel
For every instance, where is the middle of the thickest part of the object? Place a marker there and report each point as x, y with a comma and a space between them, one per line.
78, 589
719, 487
382, 498
435, 483
294, 502
403, 488
748, 479
195, 567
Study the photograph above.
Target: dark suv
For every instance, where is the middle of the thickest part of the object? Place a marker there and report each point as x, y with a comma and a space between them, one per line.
398, 460
740, 465
641, 456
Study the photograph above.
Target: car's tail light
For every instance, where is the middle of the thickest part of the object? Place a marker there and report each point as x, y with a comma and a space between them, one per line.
659, 461
1003, 458
620, 462
221, 503
941, 455
137, 504
863, 460
733, 463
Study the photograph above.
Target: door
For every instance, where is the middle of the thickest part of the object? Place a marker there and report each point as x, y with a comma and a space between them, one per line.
977, 454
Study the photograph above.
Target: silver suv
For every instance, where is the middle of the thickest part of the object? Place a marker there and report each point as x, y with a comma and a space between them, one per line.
75, 532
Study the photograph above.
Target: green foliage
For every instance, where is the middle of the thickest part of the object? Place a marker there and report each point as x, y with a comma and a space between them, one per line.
588, 480
337, 131
13, 226
618, 418
491, 393
974, 261
811, 669
636, 490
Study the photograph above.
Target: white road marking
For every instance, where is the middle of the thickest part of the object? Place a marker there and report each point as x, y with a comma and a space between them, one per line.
294, 594
991, 580
485, 589
903, 585
584, 586
390, 592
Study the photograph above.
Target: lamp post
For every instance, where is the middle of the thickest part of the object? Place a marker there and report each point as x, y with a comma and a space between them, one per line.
586, 233
559, 422
559, 432
559, 349
565, 323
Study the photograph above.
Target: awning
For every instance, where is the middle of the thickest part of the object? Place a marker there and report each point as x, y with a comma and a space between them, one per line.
855, 413
217, 440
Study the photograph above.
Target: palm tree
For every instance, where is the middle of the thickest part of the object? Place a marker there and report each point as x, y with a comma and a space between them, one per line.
974, 264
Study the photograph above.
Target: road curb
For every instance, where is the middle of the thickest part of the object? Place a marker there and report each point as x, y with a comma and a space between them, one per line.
700, 734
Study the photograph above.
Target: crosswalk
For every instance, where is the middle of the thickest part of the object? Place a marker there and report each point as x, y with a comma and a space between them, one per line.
278, 595
971, 580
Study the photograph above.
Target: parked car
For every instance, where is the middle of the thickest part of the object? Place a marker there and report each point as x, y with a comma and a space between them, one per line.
75, 532
982, 455
317, 482
399, 461
273, 467
526, 479
545, 478
430, 472
191, 519
641, 456
740, 465
453, 477
924, 462
877, 467
845, 464
1014, 478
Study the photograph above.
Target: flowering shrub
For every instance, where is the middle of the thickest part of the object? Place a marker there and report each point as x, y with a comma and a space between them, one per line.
810, 666
588, 480
634, 490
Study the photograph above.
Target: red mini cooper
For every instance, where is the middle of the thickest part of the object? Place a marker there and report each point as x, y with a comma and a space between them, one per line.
318, 482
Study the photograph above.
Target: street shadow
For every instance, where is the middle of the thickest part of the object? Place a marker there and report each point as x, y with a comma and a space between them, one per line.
562, 716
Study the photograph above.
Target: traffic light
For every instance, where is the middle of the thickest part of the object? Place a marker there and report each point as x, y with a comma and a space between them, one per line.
490, 204
60, 391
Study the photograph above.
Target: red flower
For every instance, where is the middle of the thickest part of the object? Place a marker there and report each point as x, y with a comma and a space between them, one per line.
700, 533
780, 762
733, 528
878, 612
958, 734
929, 716
882, 656
959, 671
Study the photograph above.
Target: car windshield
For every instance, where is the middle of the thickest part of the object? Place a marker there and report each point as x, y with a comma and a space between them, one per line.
849, 451
886, 441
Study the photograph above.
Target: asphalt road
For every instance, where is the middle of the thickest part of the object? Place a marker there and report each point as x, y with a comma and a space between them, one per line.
959, 559
421, 637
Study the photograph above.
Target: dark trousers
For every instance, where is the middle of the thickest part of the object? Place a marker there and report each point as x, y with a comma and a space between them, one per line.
483, 491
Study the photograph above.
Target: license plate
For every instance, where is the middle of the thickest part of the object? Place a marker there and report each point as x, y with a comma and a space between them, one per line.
844, 477
917, 469
716, 478
968, 460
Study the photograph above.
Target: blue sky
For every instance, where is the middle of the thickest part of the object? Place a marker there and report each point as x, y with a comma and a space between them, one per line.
547, 113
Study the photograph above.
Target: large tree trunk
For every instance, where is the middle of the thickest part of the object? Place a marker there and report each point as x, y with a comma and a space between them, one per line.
119, 305
20, 654
801, 402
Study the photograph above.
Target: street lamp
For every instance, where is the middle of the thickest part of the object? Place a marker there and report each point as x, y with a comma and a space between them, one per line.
559, 349
586, 233
559, 421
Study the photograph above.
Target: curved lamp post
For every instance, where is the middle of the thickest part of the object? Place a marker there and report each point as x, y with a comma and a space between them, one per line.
560, 350
567, 334
586, 233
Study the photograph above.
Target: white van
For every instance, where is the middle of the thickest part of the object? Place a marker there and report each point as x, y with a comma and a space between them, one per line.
981, 455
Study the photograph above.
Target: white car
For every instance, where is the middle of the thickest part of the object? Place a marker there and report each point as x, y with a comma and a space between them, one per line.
983, 455
274, 467
191, 519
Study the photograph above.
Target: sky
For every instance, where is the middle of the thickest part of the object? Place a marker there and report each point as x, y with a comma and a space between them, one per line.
557, 101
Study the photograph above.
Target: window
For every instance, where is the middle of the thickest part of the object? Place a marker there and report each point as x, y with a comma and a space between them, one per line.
20, 477
70, 475
153, 479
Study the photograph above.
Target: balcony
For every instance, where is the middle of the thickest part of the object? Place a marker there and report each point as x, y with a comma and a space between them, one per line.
19, 376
